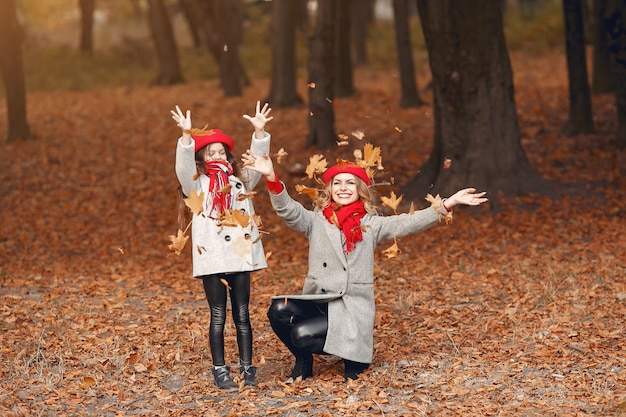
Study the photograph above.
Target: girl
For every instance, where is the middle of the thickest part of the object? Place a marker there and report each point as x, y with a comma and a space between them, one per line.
335, 312
224, 252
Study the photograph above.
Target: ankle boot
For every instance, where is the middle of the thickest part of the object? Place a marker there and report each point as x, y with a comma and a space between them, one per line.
222, 378
303, 367
249, 373
353, 369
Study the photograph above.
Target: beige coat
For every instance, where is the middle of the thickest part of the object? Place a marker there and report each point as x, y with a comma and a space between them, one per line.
217, 248
346, 282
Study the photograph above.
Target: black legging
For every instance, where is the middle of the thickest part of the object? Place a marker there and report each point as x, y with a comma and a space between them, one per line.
300, 324
239, 291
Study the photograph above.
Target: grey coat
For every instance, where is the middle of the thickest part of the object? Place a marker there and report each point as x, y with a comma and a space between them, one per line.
217, 248
345, 281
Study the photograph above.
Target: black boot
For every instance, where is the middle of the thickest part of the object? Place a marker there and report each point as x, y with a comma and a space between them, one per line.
353, 369
303, 367
249, 373
222, 378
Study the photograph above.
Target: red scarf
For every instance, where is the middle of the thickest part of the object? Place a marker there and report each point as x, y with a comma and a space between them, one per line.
348, 219
218, 172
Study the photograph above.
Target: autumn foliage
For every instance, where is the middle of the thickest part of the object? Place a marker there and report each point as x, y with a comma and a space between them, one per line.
515, 311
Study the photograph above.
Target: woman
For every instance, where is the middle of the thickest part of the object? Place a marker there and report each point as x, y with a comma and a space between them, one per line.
335, 312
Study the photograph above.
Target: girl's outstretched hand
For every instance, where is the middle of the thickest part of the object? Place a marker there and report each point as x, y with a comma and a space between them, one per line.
182, 121
261, 117
467, 196
260, 163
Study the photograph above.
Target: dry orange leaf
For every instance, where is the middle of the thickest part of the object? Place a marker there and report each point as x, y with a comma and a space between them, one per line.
234, 218
195, 202
308, 191
225, 189
280, 155
393, 250
317, 165
244, 196
225, 283
392, 201
178, 242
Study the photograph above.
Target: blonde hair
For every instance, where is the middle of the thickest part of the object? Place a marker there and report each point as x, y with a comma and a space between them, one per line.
366, 194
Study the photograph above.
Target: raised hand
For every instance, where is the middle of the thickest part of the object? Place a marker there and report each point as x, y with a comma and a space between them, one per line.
260, 118
260, 163
467, 196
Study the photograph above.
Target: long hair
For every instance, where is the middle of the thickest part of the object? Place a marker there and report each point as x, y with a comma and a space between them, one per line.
367, 194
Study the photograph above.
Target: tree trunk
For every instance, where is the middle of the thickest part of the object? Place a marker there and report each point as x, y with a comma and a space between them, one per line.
86, 25
602, 81
283, 92
361, 17
408, 84
476, 125
188, 8
163, 37
616, 22
343, 85
12, 70
222, 25
580, 116
321, 111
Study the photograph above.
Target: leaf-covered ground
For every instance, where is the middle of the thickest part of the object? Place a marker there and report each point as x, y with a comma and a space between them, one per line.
513, 312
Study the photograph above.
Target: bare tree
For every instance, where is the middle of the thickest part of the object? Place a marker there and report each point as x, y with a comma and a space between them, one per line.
86, 25
219, 25
408, 84
321, 112
580, 117
163, 37
602, 80
361, 17
616, 22
342, 58
12, 70
283, 92
476, 125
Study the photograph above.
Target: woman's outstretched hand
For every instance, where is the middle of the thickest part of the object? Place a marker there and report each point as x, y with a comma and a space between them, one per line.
260, 163
260, 118
467, 196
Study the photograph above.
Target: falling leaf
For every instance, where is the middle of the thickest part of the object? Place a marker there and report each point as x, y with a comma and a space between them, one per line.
358, 134
234, 218
393, 250
225, 283
371, 156
121, 250
435, 202
412, 208
397, 129
447, 163
244, 196
195, 202
280, 155
225, 189
242, 246
267, 255
343, 143
392, 201
178, 242
358, 155
311, 85
317, 165
312, 193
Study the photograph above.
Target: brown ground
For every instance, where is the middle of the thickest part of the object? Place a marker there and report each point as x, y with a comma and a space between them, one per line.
519, 312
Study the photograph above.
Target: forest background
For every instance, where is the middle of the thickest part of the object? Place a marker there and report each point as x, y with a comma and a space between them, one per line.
515, 311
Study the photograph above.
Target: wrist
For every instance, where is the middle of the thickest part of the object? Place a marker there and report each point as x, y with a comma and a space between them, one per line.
447, 207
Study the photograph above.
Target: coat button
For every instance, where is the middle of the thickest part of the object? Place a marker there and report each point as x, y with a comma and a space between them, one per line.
323, 290
324, 265
243, 211
227, 238
238, 185
344, 268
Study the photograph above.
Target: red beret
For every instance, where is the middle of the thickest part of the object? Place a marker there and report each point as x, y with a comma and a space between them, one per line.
348, 169
213, 136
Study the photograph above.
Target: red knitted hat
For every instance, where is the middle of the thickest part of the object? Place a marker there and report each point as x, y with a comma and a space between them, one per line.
213, 136
348, 169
